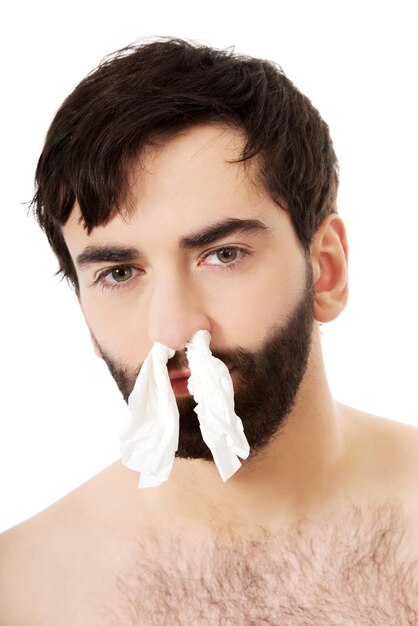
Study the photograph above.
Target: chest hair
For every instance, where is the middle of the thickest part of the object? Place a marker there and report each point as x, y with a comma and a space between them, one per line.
351, 571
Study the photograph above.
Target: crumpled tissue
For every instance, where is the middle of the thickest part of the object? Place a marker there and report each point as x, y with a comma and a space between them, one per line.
150, 437
211, 385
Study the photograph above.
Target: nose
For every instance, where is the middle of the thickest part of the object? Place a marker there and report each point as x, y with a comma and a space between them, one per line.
175, 314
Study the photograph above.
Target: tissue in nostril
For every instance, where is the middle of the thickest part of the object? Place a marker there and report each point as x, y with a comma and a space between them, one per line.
211, 385
150, 437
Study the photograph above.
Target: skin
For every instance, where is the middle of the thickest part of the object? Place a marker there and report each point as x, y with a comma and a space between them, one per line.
326, 456
180, 294
177, 292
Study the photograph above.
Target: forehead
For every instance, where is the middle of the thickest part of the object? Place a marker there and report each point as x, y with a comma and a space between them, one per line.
197, 157
183, 184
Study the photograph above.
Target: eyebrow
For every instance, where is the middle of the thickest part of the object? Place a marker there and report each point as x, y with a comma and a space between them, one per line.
207, 236
107, 254
214, 232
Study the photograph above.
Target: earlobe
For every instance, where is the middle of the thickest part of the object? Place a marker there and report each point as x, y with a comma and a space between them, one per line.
329, 256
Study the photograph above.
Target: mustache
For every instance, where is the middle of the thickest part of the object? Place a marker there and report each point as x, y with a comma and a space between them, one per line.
231, 358
234, 357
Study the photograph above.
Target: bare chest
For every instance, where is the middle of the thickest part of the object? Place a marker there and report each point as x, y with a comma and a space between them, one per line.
355, 571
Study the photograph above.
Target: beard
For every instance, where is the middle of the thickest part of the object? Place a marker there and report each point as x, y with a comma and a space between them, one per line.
267, 385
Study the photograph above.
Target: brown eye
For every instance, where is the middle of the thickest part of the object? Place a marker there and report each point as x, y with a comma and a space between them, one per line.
121, 274
226, 255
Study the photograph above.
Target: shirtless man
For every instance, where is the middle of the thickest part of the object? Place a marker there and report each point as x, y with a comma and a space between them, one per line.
164, 231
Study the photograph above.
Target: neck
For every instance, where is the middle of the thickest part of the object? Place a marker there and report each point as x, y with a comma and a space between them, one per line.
289, 478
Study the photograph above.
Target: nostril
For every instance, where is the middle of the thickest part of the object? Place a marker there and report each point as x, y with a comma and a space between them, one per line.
175, 340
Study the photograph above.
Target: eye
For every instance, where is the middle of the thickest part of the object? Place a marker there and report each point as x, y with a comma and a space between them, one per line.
117, 277
121, 274
228, 257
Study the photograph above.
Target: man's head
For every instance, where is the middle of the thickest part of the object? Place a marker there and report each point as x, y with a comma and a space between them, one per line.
183, 189
266, 381
145, 94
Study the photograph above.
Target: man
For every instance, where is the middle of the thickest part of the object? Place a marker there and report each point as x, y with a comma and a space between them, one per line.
184, 189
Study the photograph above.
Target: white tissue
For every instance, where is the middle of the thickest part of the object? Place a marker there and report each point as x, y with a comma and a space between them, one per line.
211, 385
150, 438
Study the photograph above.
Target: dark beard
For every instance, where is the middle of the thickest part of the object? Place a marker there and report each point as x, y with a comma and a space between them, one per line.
265, 393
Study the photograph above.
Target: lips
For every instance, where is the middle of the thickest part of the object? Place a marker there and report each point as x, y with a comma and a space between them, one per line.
179, 381
185, 373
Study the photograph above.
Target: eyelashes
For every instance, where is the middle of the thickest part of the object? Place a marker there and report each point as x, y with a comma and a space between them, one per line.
107, 280
242, 252
104, 281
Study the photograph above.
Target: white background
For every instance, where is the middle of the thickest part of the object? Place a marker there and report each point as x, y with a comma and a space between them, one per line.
60, 411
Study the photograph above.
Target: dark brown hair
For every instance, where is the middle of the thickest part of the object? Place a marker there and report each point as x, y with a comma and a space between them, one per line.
146, 93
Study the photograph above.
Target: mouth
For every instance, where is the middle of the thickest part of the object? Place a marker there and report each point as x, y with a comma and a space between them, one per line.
179, 381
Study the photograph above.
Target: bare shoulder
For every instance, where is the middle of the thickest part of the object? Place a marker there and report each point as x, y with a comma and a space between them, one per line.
396, 438
23, 571
384, 457
48, 561
36, 559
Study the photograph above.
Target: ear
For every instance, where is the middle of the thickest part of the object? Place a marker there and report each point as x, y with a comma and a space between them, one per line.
329, 256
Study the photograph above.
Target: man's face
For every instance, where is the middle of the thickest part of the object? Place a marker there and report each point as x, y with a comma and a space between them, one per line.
202, 249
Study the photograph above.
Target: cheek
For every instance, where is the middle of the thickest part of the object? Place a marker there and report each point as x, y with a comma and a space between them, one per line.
118, 329
247, 311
